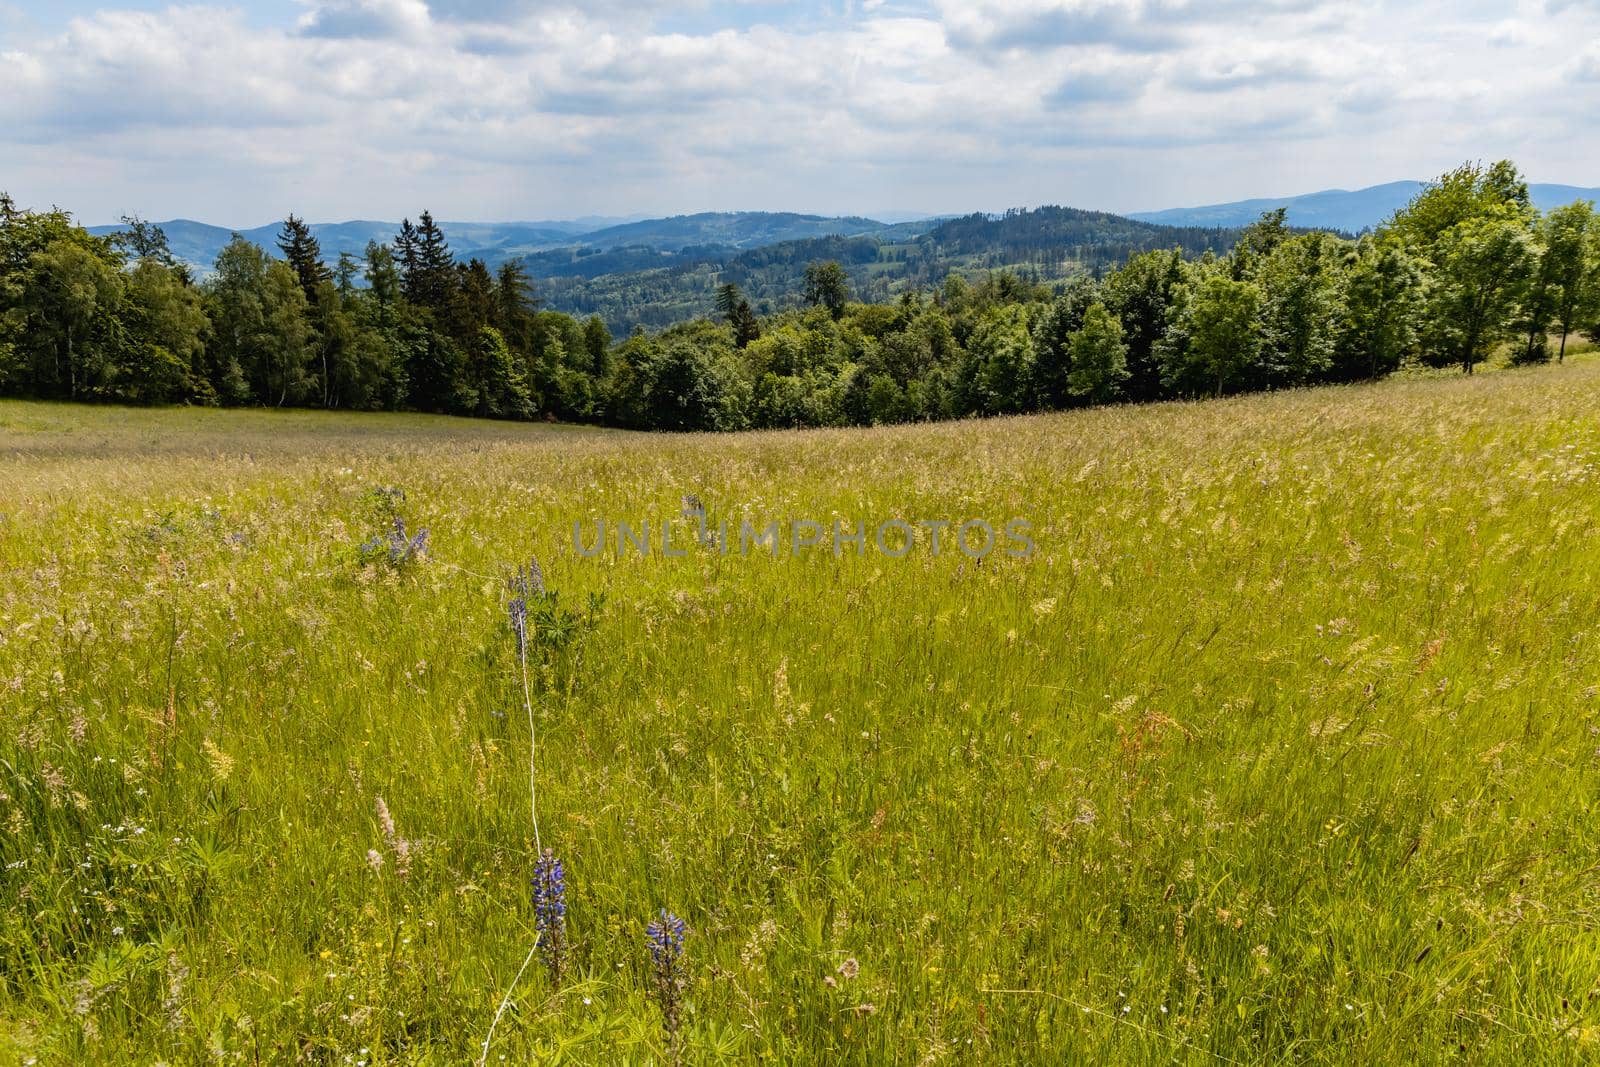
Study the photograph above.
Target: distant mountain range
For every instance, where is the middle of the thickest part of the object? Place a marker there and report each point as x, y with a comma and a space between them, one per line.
658, 271
1350, 211
640, 285
589, 245
198, 243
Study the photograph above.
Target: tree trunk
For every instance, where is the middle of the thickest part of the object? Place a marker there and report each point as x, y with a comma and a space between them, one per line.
1561, 357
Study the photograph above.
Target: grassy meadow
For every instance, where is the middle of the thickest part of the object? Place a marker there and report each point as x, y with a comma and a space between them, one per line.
1283, 746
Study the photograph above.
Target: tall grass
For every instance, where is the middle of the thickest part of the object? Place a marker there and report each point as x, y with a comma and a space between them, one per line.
1284, 745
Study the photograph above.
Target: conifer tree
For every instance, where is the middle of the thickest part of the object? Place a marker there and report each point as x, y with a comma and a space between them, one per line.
303, 252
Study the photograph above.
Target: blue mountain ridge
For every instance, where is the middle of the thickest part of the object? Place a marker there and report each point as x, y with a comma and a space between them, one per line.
198, 243
1347, 210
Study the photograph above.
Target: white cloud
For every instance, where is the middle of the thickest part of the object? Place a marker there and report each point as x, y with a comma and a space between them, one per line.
1512, 32
378, 19
515, 108
1587, 67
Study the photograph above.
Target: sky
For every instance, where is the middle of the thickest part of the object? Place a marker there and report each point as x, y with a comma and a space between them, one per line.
237, 113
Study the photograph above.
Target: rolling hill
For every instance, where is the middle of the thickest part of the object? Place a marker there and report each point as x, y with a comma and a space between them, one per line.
198, 243
657, 271
734, 229
652, 287
1350, 211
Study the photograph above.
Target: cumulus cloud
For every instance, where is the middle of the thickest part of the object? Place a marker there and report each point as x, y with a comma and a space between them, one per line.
374, 19
1088, 85
533, 108
1134, 25
1587, 67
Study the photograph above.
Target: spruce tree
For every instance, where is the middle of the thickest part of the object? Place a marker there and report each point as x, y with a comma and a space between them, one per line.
515, 304
405, 254
434, 269
303, 252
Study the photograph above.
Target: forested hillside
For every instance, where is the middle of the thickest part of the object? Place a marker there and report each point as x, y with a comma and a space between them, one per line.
656, 272
646, 286
1088, 309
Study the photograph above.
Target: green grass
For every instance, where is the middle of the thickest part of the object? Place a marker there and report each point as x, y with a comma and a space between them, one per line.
1285, 745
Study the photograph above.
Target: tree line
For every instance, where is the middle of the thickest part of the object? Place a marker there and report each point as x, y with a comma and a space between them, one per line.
655, 287
1467, 270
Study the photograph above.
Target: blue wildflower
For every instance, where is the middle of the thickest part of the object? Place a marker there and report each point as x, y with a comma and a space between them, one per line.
550, 912
404, 548
525, 584
517, 610
665, 938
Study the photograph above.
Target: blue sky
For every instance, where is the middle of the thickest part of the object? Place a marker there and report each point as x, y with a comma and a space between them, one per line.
239, 112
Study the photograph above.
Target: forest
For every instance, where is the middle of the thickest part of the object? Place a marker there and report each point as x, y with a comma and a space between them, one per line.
657, 285
1469, 270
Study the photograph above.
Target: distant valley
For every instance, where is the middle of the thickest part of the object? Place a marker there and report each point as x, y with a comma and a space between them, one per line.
652, 272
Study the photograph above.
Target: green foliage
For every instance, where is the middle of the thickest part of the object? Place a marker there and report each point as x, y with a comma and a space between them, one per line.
1054, 332
1481, 271
1569, 272
167, 330
1302, 285
71, 295
1471, 191
1142, 294
997, 374
1382, 308
1216, 338
143, 241
1474, 229
1468, 272
1099, 357
304, 255
827, 286
497, 379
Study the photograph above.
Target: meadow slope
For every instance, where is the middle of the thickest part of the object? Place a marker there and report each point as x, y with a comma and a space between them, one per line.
1284, 745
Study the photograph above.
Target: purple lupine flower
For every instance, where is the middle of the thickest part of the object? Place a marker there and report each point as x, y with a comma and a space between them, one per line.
403, 547
665, 938
517, 610
550, 912
527, 581
524, 585
399, 543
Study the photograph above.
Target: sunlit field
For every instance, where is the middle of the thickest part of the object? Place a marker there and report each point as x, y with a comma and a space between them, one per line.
1283, 745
